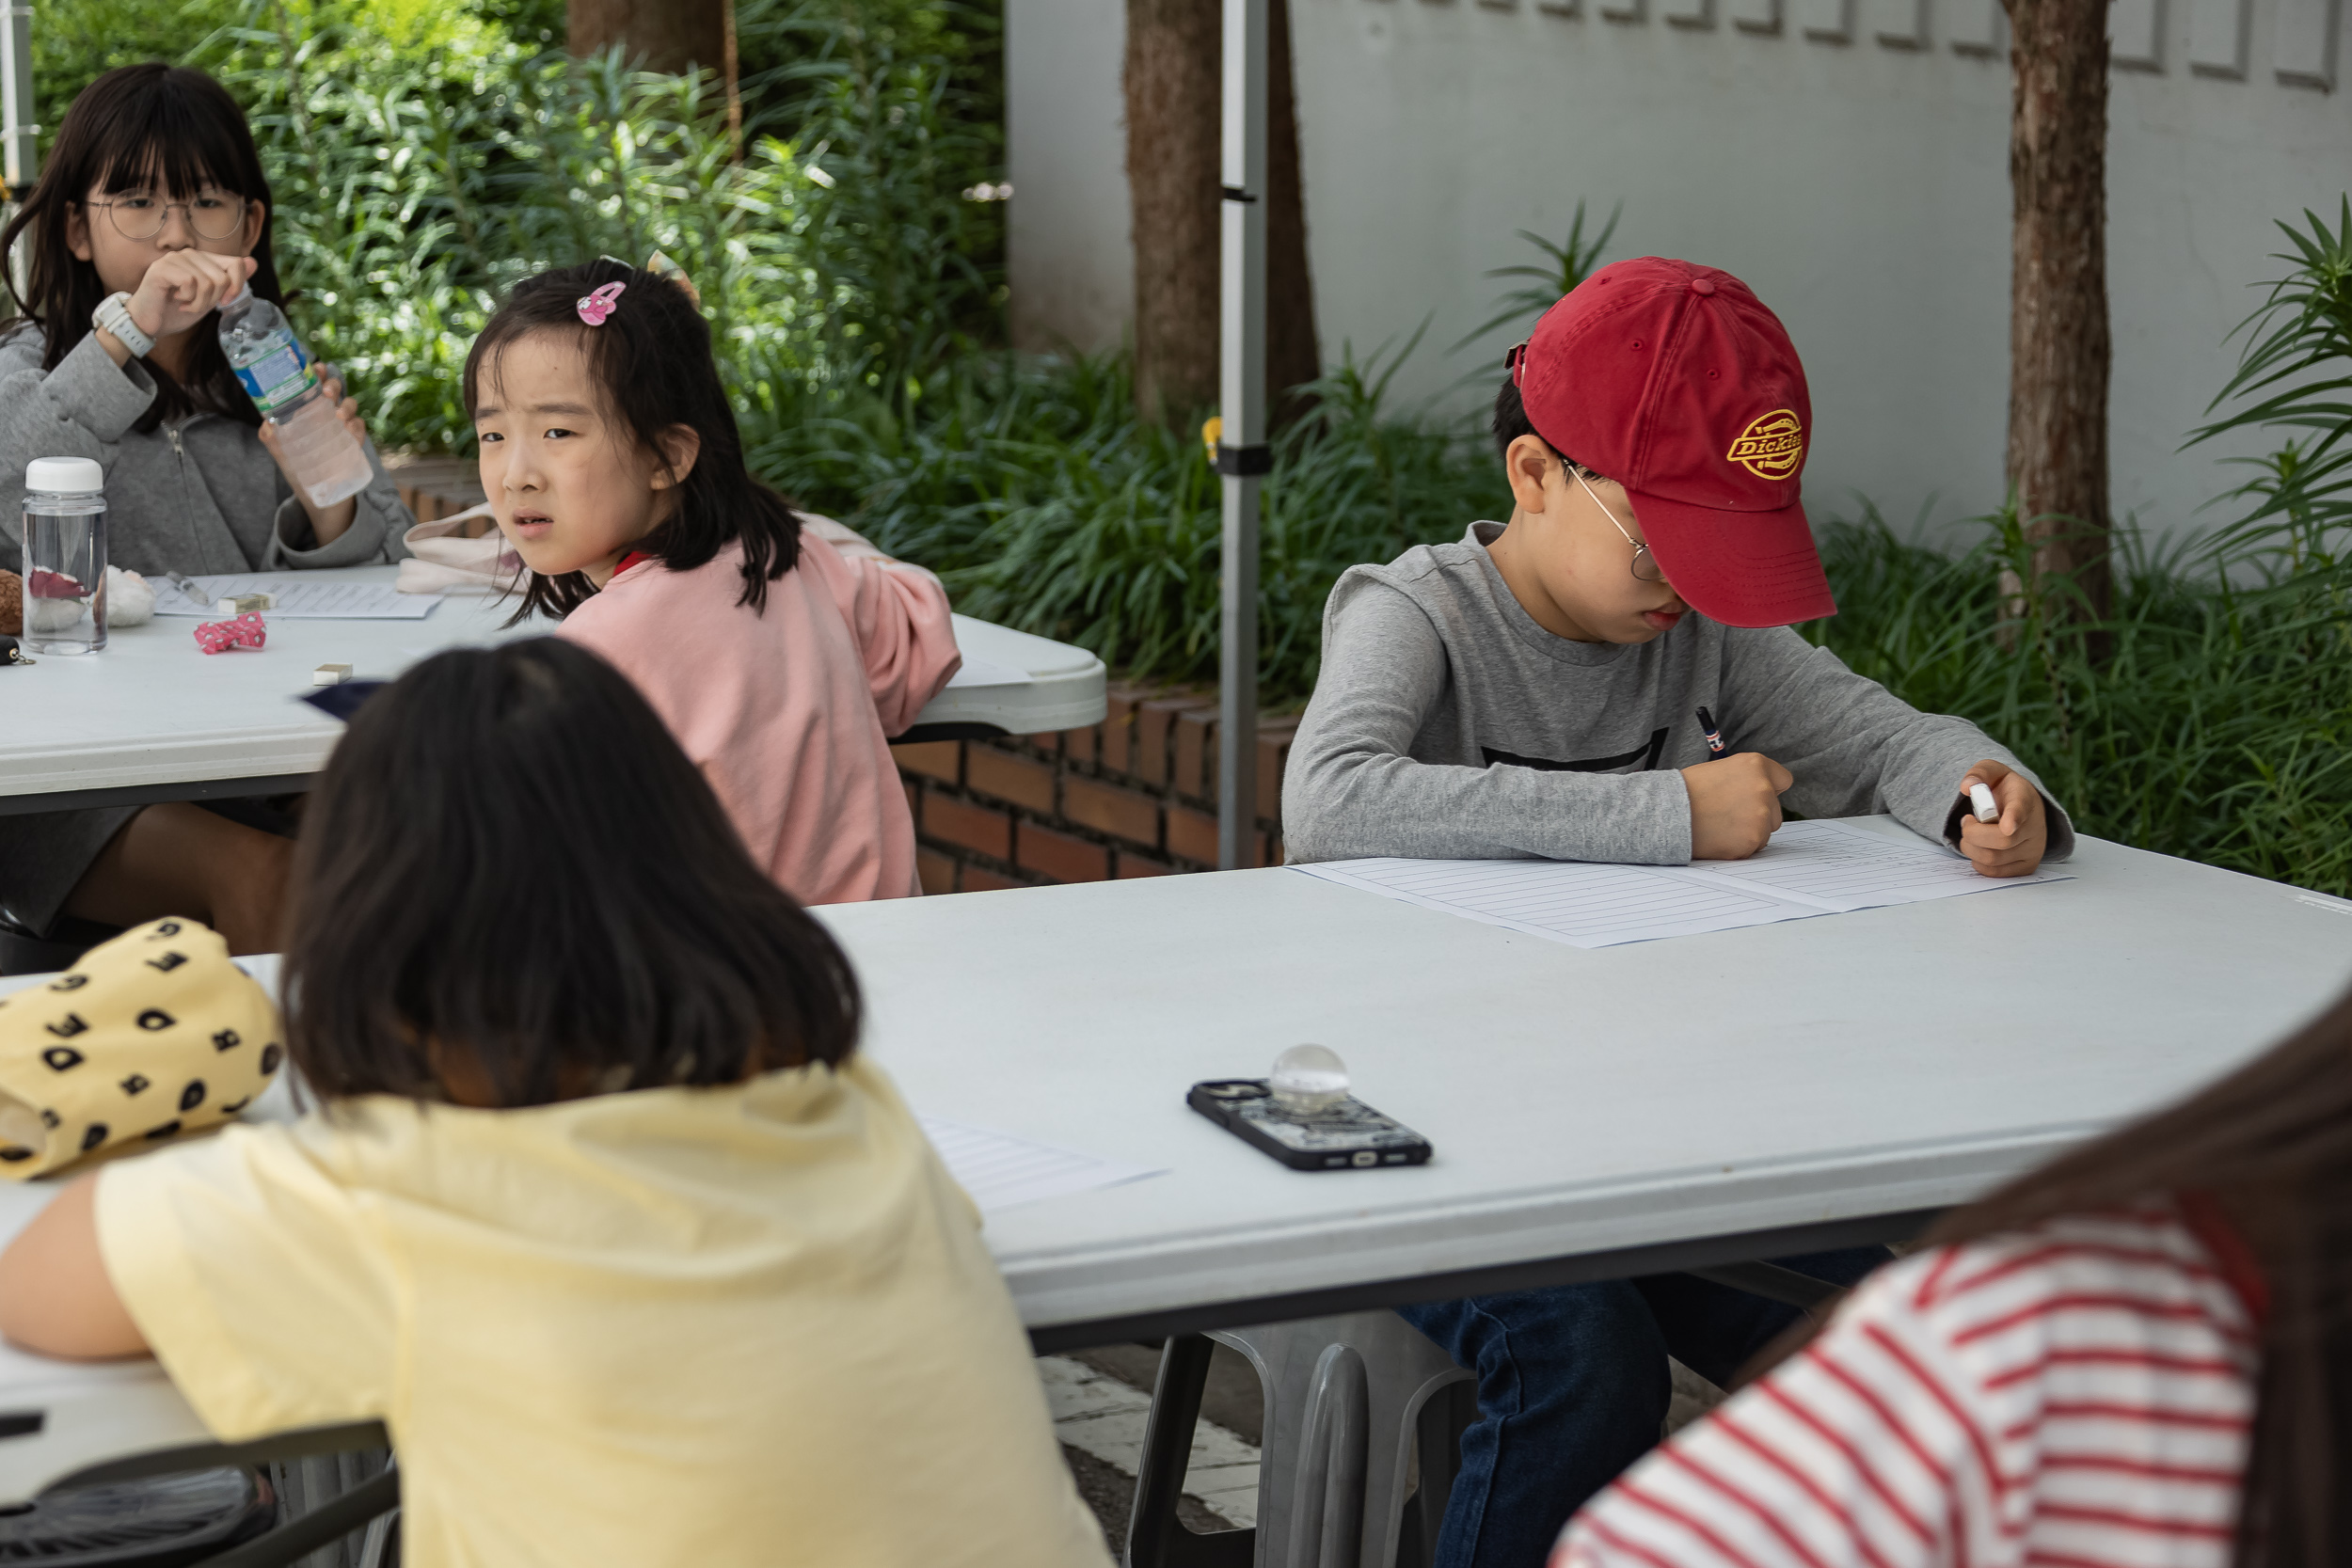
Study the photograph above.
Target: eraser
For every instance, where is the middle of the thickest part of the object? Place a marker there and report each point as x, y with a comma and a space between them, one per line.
1988, 809
330, 674
246, 631
245, 603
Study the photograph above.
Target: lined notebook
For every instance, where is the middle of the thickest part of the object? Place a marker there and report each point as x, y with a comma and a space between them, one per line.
1808, 868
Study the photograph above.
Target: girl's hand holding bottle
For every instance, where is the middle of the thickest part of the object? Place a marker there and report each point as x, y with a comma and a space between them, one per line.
179, 289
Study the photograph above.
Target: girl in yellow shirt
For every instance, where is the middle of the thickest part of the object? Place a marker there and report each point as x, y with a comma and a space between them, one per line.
598, 1212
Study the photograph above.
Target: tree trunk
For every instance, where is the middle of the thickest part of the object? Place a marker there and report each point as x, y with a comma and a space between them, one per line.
2059, 343
1172, 132
672, 35
1173, 82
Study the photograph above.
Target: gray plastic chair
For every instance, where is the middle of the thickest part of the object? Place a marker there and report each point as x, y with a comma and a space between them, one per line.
1351, 1402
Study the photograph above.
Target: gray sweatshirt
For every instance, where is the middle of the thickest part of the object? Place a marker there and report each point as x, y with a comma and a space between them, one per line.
199, 496
1448, 726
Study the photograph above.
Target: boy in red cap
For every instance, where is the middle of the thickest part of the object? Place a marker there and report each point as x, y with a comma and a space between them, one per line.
1532, 691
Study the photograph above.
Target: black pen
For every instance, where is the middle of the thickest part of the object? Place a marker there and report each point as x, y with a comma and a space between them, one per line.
1716, 750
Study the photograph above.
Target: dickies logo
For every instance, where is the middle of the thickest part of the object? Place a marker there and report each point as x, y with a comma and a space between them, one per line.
1772, 446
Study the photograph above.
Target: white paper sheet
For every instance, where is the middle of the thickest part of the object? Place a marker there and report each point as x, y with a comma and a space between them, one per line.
1839, 866
1571, 902
981, 672
1810, 868
300, 597
1000, 1170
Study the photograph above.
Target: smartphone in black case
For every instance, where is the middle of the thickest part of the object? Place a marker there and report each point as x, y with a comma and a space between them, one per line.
1350, 1135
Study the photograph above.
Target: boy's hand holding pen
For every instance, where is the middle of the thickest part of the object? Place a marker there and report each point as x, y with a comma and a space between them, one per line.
2005, 829
1735, 807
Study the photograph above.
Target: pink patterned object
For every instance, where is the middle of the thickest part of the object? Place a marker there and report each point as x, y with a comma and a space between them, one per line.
246, 631
595, 306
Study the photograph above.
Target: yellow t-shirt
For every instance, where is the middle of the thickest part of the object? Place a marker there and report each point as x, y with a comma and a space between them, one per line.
749, 1325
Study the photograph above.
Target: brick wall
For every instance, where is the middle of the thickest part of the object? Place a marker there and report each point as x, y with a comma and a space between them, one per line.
1135, 795
438, 488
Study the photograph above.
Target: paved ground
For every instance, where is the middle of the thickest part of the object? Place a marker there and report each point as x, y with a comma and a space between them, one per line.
1109, 1491
1099, 1416
1100, 1397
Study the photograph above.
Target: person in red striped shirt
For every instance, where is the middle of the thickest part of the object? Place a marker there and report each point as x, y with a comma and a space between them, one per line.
2139, 1357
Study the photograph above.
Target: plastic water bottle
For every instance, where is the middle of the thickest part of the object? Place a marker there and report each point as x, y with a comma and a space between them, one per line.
320, 454
65, 556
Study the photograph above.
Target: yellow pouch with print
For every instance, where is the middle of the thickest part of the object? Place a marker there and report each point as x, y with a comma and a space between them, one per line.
152, 1034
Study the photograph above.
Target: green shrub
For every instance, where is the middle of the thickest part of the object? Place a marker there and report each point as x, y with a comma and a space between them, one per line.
1034, 491
425, 155
73, 43
424, 160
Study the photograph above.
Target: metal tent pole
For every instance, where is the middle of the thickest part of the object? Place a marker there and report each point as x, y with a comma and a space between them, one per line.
17, 85
1242, 456
22, 137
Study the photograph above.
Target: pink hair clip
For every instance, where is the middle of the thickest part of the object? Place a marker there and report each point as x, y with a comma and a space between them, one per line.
595, 306
246, 631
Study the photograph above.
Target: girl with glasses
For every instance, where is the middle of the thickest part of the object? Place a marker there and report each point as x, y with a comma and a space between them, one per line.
152, 211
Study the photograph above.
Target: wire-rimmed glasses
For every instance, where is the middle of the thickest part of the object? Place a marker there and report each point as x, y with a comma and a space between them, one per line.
140, 215
1645, 567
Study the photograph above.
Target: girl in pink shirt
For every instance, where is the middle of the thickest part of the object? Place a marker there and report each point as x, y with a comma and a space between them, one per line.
782, 651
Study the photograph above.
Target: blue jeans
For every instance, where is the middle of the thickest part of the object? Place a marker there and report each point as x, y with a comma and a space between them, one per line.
1573, 1386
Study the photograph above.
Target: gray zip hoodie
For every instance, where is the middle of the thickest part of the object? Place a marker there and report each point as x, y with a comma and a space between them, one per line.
201, 495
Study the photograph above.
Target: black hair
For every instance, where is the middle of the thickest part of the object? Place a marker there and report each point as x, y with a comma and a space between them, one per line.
135, 126
651, 359
1510, 422
510, 865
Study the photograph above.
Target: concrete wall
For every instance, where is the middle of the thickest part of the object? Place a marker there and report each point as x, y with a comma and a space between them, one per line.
1067, 227
1849, 158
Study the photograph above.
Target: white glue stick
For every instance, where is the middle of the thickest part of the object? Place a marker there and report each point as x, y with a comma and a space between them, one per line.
1988, 809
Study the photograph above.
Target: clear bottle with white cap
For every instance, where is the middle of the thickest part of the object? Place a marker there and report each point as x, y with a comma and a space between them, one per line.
65, 556
320, 454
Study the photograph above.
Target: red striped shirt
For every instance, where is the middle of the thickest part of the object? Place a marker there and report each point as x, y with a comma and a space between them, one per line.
2080, 1393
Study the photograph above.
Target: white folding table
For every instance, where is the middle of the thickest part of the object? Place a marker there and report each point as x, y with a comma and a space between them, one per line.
1595, 1114
152, 717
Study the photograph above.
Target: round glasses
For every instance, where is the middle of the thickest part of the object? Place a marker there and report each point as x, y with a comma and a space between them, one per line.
1645, 567
140, 215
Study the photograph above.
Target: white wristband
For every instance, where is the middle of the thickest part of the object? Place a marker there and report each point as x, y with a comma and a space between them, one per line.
113, 314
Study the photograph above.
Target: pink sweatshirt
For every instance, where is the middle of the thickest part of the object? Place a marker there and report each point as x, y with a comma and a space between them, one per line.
786, 710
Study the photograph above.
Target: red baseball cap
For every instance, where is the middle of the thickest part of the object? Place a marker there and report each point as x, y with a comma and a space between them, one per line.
1674, 380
